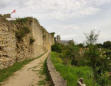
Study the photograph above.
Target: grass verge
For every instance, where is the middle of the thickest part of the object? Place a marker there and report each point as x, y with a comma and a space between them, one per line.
5, 73
47, 79
73, 73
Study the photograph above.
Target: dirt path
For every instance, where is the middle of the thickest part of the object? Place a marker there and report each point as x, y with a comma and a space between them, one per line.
29, 75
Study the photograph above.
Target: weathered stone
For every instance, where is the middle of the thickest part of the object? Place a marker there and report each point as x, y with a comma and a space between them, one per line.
12, 50
55, 76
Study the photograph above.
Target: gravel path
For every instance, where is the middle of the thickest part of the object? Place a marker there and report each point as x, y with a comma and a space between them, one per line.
29, 75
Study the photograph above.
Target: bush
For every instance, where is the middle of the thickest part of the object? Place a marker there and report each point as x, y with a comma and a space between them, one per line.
57, 47
22, 20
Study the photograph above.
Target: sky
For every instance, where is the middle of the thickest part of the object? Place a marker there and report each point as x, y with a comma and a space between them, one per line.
70, 19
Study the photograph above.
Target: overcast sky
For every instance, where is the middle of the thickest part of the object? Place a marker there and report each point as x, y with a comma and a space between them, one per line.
68, 18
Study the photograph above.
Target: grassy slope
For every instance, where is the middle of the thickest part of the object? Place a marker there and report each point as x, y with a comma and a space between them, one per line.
5, 73
72, 73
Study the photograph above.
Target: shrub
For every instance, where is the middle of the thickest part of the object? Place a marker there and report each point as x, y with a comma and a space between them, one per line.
22, 20
57, 48
32, 40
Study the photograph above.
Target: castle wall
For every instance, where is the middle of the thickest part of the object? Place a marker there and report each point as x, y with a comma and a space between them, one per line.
12, 50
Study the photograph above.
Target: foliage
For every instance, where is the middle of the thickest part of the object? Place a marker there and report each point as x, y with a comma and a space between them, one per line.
57, 47
21, 20
91, 38
107, 44
99, 45
95, 59
32, 40
44, 71
72, 73
92, 56
69, 53
22, 32
81, 45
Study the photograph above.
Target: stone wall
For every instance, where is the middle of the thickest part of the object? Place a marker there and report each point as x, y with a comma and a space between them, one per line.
55, 76
12, 50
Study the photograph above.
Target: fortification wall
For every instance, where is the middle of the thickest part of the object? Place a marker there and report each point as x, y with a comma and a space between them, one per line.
13, 49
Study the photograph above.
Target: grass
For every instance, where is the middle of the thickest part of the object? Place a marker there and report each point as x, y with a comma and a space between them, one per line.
73, 73
42, 82
44, 71
5, 73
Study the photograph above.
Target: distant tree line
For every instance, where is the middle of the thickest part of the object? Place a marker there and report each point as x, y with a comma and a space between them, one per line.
106, 44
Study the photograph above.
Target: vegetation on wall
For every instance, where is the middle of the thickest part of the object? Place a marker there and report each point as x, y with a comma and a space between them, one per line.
44, 36
22, 20
32, 40
21, 33
53, 33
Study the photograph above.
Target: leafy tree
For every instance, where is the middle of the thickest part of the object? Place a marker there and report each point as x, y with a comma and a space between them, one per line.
99, 45
81, 45
91, 38
57, 47
107, 44
70, 53
95, 58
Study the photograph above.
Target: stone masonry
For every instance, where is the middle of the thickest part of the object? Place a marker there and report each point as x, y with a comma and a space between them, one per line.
12, 51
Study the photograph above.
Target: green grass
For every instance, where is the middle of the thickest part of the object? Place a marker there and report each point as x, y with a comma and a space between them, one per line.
42, 82
5, 73
44, 71
72, 73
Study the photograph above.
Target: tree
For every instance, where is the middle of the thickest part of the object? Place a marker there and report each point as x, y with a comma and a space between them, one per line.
91, 38
95, 60
57, 47
99, 45
81, 45
107, 44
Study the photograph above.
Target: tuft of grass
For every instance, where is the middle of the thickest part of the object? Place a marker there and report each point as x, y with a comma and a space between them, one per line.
73, 73
42, 82
47, 79
5, 73
22, 20
45, 71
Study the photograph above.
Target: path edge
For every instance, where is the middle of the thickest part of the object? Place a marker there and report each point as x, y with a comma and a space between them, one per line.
55, 76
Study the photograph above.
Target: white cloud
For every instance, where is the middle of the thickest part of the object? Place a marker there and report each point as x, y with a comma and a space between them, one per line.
49, 12
53, 9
